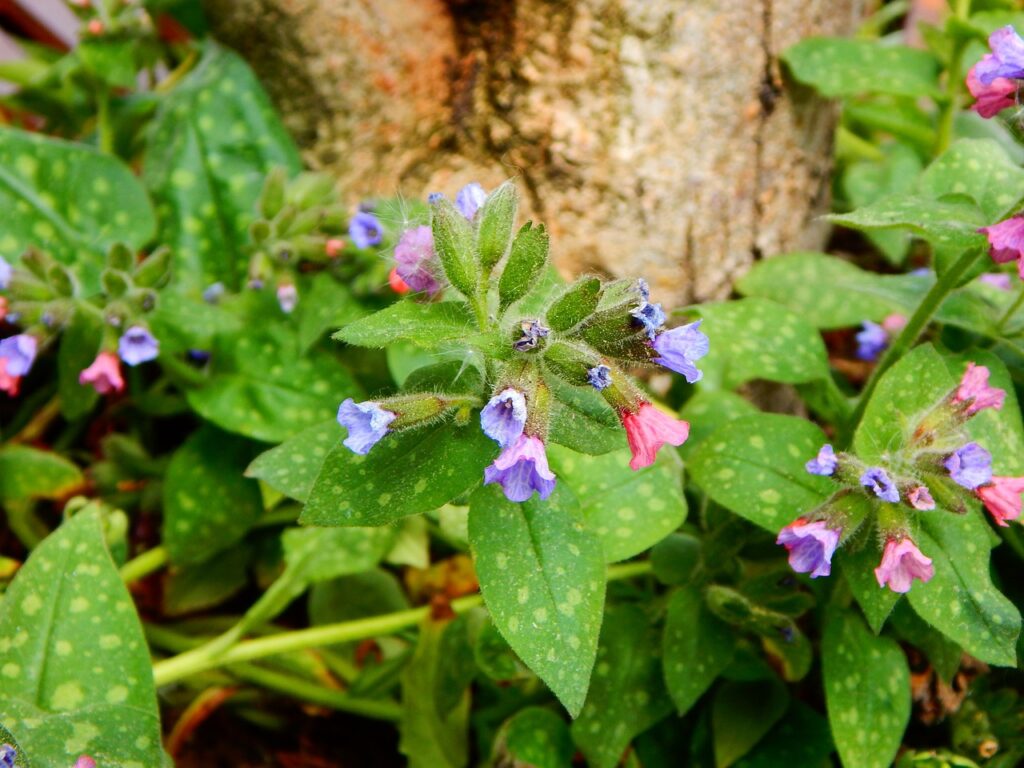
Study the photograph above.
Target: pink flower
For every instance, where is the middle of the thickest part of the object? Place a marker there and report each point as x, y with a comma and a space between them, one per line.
975, 391
894, 323
810, 546
902, 562
647, 430
9, 384
396, 282
104, 374
3, 307
993, 98
920, 498
333, 247
1002, 498
1006, 242
85, 762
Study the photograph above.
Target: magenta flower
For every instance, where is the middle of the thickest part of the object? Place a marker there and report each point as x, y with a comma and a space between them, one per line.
810, 546
975, 392
1006, 59
970, 466
824, 463
1002, 498
9, 384
504, 417
902, 562
19, 352
993, 98
680, 347
367, 423
521, 469
104, 375
1006, 242
85, 762
920, 498
469, 199
414, 260
647, 430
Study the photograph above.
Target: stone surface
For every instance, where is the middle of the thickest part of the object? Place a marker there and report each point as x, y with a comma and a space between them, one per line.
654, 137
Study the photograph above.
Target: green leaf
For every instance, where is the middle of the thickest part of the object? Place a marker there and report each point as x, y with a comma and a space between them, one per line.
204, 585
542, 576
29, 473
960, 600
904, 393
867, 690
857, 565
697, 646
759, 339
754, 466
68, 199
325, 305
110, 59
405, 474
708, 410
292, 467
261, 385
453, 244
629, 511
526, 262
77, 673
581, 420
742, 714
801, 738
844, 67
79, 345
431, 739
980, 169
539, 738
627, 695
575, 305
948, 224
675, 558
208, 504
214, 139
497, 216
426, 325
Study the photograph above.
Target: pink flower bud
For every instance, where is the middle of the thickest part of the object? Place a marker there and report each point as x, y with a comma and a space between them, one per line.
95, 27
647, 430
9, 384
975, 392
104, 374
902, 562
1002, 498
333, 247
397, 284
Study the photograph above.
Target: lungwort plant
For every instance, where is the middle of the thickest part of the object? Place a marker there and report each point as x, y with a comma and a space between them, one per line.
264, 448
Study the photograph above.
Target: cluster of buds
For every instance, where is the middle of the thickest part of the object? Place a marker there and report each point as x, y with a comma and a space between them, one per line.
586, 336
939, 462
300, 227
121, 18
43, 296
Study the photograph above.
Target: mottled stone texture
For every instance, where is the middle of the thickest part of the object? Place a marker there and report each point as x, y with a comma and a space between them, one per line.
653, 137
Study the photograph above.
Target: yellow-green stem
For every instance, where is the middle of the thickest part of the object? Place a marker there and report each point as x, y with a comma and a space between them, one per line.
141, 566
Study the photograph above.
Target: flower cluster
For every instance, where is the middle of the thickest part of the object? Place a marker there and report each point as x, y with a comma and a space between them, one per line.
44, 297
586, 337
939, 459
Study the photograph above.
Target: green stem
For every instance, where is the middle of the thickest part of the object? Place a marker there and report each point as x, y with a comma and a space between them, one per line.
39, 423
479, 304
961, 10
143, 565
915, 326
1011, 311
209, 656
104, 127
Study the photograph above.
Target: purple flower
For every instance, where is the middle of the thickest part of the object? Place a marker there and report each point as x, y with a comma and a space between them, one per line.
366, 423
999, 280
469, 199
19, 352
600, 377
414, 259
213, 293
365, 230
650, 316
920, 498
8, 755
872, 340
970, 466
810, 546
1007, 59
533, 332
287, 297
5, 273
522, 468
504, 417
824, 463
878, 482
678, 349
137, 345
643, 289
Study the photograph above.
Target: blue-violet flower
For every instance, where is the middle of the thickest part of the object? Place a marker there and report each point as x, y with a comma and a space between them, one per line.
469, 199
824, 463
970, 466
366, 423
521, 469
679, 347
365, 230
19, 352
878, 482
137, 345
600, 377
504, 417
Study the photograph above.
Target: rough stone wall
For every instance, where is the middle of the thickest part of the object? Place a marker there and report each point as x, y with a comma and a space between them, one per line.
653, 137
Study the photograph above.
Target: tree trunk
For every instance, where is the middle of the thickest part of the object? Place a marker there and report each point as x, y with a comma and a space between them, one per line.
653, 137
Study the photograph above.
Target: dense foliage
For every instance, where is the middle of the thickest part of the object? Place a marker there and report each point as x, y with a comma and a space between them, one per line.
259, 447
